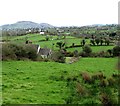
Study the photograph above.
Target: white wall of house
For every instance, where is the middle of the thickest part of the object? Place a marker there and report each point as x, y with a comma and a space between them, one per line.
42, 33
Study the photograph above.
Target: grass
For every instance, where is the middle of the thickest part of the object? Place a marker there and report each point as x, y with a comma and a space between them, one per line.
30, 82
94, 48
27, 82
35, 38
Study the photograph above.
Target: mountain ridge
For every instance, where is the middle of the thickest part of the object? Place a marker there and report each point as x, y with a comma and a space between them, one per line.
26, 25
30, 24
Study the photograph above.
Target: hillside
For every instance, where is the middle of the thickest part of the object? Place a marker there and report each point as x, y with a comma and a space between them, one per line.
26, 25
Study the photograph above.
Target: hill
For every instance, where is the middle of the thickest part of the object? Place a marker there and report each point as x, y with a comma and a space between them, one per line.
26, 25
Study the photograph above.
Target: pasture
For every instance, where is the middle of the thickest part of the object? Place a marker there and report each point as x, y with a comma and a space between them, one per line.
28, 82
38, 82
41, 40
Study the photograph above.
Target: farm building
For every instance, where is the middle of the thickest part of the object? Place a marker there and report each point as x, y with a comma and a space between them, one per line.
44, 52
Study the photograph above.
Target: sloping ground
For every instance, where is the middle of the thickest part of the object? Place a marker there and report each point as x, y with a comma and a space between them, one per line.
37, 39
26, 82
26, 25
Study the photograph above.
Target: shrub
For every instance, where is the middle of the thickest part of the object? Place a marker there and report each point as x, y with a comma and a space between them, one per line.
116, 51
93, 54
31, 52
7, 52
19, 50
104, 98
69, 54
76, 54
86, 51
111, 81
83, 54
80, 89
103, 83
16, 51
86, 77
103, 54
58, 57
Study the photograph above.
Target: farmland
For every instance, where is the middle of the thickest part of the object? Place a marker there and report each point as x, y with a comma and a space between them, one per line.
32, 82
85, 74
41, 40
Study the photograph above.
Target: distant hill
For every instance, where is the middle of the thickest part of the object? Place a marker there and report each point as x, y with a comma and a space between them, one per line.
25, 25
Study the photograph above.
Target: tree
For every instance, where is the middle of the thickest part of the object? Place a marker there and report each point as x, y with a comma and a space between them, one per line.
83, 42
116, 51
107, 41
60, 44
47, 37
87, 49
110, 51
97, 40
58, 57
101, 41
92, 41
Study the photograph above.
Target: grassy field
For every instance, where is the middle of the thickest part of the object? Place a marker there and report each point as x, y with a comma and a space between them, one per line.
26, 82
94, 48
36, 39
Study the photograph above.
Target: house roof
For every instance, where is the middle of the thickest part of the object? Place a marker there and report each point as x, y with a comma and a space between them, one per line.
44, 51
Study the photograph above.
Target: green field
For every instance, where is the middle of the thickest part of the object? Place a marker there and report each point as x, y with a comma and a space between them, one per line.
36, 82
27, 82
36, 39
94, 48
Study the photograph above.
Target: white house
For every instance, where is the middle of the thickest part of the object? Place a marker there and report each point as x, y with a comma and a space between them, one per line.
44, 52
42, 33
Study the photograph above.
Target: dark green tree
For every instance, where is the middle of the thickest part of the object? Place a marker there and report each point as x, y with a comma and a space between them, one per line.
101, 41
83, 42
92, 41
87, 49
107, 41
60, 44
97, 40
116, 51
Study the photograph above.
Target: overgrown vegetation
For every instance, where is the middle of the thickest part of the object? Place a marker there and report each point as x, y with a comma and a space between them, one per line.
15, 51
96, 88
28, 82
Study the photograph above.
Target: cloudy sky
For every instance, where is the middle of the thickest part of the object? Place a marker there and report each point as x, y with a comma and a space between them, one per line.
60, 12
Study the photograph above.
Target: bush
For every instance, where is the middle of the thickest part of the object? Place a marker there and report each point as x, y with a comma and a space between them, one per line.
83, 54
31, 52
58, 57
86, 51
93, 54
69, 54
110, 51
16, 51
76, 54
116, 51
7, 53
